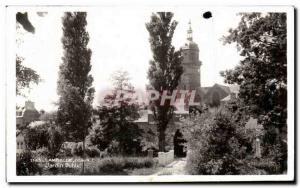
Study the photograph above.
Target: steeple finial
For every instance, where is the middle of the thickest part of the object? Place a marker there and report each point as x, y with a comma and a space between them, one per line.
190, 32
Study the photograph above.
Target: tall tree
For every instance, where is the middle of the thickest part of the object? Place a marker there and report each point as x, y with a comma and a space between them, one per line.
262, 75
117, 114
165, 68
75, 83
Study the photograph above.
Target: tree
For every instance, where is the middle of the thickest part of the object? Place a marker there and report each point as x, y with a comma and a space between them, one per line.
75, 83
22, 18
117, 115
25, 76
262, 75
165, 68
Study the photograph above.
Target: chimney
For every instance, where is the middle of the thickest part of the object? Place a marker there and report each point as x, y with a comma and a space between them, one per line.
29, 105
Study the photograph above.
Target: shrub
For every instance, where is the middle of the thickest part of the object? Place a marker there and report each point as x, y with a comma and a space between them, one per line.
111, 166
25, 165
66, 150
36, 135
41, 153
77, 149
118, 165
40, 134
267, 165
93, 151
55, 140
215, 145
71, 149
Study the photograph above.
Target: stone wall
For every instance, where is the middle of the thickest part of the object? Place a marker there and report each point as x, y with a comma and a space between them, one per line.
165, 158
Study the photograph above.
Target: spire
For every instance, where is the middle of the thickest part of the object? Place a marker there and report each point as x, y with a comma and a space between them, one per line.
190, 32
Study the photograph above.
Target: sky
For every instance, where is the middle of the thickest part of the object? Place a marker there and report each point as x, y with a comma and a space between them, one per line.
119, 41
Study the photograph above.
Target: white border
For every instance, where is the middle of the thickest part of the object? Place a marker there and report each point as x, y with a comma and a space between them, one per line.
11, 101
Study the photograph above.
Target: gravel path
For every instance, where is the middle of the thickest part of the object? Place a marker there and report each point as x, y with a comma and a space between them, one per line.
175, 168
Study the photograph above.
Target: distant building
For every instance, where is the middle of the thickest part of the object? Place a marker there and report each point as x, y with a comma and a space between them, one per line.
27, 114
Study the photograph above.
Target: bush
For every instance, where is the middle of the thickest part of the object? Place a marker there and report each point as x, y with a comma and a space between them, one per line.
93, 151
267, 165
66, 150
25, 165
71, 149
41, 153
118, 165
215, 146
55, 140
113, 165
36, 135
77, 149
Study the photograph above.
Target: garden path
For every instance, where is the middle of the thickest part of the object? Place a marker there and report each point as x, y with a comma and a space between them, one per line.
177, 167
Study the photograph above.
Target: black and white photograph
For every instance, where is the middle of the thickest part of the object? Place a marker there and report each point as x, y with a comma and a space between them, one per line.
150, 94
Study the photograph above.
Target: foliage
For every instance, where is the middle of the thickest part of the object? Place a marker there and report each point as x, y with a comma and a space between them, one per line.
43, 135
262, 75
22, 18
36, 136
266, 164
215, 142
66, 150
41, 153
75, 83
165, 68
117, 165
93, 152
73, 149
24, 76
117, 130
25, 165
55, 140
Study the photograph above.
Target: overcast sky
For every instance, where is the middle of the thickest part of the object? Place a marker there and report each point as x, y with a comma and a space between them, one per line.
119, 40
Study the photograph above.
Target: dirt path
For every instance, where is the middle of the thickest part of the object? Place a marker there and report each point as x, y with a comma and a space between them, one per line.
177, 167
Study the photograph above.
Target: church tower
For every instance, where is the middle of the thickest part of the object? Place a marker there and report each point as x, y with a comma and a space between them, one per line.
190, 79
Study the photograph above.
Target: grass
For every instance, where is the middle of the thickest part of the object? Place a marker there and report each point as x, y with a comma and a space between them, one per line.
144, 171
110, 166
117, 165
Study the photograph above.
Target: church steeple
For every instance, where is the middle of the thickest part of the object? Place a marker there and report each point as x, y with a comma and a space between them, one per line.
190, 32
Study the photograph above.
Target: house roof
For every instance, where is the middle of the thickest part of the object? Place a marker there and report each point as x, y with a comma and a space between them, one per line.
223, 91
226, 98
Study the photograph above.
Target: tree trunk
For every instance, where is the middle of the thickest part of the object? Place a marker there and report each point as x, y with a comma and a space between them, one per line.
83, 153
161, 140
